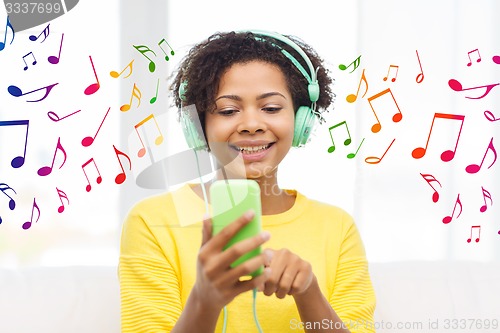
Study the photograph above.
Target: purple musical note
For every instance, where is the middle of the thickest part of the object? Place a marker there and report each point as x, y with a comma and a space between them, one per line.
17, 92
19, 160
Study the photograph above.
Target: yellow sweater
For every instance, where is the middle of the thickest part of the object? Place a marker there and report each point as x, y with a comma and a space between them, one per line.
158, 257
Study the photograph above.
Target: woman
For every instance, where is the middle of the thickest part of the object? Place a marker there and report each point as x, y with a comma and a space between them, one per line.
256, 94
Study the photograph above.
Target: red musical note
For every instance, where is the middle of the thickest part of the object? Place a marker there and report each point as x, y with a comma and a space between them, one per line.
158, 140
115, 74
486, 194
429, 179
489, 115
478, 227
473, 168
153, 100
347, 141
53, 59
352, 155
395, 118
121, 177
352, 98
420, 77
34, 60
7, 25
496, 59
135, 93
98, 179
457, 86
45, 33
356, 63
375, 159
87, 141
17, 92
54, 117
94, 86
388, 71
171, 50
12, 204
478, 57
47, 170
19, 160
61, 195
447, 219
27, 225
447, 155
143, 49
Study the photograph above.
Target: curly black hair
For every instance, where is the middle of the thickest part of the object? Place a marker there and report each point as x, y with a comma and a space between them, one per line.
204, 65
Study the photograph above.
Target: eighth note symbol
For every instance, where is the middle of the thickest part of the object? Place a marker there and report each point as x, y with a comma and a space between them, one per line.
47, 170
448, 219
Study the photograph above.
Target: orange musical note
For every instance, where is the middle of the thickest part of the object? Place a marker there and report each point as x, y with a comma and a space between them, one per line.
94, 86
34, 60
143, 49
429, 179
478, 57
478, 227
388, 71
153, 100
490, 116
375, 159
54, 117
18, 161
420, 77
473, 168
347, 141
7, 25
116, 74
447, 219
87, 141
352, 155
447, 155
98, 179
135, 93
121, 177
158, 140
457, 86
171, 50
17, 92
486, 194
27, 225
47, 170
61, 196
45, 33
53, 59
12, 204
352, 98
356, 63
395, 118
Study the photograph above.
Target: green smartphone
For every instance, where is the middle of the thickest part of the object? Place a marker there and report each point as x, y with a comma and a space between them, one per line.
230, 199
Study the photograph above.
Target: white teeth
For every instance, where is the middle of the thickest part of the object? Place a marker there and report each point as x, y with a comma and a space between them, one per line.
253, 149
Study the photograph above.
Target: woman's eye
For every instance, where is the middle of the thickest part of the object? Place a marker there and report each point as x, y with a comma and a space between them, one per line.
227, 112
272, 109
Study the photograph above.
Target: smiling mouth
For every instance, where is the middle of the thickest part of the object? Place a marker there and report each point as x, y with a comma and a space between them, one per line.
250, 150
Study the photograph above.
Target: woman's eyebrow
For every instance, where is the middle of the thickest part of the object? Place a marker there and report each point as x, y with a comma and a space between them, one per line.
273, 93
233, 97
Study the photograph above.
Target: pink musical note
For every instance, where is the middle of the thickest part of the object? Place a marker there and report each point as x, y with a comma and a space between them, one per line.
47, 170
27, 225
375, 159
45, 33
158, 140
153, 100
171, 50
352, 98
17, 92
478, 57
115, 74
94, 86
478, 227
356, 63
54, 117
19, 160
430, 178
143, 49
135, 93
486, 194
53, 59
87, 141
447, 155
395, 118
420, 77
7, 25
474, 168
347, 141
448, 219
98, 179
490, 116
457, 86
61, 196
496, 59
121, 177
352, 155
24, 59
395, 76
12, 204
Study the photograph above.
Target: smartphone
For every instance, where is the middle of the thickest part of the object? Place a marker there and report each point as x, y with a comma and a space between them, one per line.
230, 199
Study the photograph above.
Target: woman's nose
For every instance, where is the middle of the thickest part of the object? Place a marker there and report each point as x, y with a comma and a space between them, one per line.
252, 121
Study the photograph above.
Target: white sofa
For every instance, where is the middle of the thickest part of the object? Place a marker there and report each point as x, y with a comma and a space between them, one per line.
411, 297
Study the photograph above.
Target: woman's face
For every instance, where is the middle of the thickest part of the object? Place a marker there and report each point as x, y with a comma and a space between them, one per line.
253, 118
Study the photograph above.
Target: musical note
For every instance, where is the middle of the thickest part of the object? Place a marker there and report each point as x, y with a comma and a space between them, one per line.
447, 219
87, 141
486, 194
429, 179
158, 140
135, 93
115, 74
489, 115
478, 57
12, 204
45, 33
19, 160
61, 196
375, 159
478, 227
53, 59
27, 225
34, 60
54, 117
47, 170
17, 92
94, 86
98, 179
171, 50
356, 63
496, 59
347, 141
457, 86
474, 168
352, 98
352, 155
395, 118
121, 177
420, 77
143, 49
8, 25
152, 100
447, 155
395, 76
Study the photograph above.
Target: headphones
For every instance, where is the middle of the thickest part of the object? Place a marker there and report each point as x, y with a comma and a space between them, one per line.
305, 116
